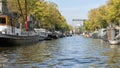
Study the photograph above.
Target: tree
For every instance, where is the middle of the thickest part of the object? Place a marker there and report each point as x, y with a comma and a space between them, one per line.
105, 15
46, 13
113, 11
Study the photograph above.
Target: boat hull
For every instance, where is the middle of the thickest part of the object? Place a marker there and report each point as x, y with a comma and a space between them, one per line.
17, 40
114, 42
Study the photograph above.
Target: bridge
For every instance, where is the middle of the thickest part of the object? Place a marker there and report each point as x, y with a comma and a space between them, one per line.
80, 20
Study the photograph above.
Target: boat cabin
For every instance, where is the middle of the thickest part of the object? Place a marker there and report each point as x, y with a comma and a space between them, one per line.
7, 21
8, 25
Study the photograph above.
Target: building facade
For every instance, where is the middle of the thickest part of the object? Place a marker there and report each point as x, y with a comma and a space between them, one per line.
3, 7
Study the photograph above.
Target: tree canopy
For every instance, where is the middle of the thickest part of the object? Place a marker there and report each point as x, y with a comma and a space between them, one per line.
46, 13
104, 15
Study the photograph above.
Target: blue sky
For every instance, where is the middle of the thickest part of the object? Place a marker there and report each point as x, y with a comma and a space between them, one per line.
77, 9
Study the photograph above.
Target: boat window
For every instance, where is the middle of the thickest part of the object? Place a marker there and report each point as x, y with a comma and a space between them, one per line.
2, 20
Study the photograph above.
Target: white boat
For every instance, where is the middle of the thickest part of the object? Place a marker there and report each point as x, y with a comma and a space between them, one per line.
114, 42
42, 33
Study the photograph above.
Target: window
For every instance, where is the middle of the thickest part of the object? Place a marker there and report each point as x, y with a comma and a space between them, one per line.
2, 20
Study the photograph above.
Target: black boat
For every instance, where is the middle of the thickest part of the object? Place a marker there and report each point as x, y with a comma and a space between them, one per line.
11, 31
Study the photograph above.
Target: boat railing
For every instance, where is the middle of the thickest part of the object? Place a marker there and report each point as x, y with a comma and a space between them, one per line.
28, 33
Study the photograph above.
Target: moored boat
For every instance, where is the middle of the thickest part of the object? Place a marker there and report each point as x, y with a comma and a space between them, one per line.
10, 34
12, 31
42, 33
114, 42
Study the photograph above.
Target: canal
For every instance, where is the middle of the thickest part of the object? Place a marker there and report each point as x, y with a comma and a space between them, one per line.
68, 52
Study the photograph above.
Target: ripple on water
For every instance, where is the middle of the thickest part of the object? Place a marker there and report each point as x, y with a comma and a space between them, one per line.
71, 62
69, 52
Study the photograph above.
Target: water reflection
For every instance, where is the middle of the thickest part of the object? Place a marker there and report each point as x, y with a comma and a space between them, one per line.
34, 53
69, 52
3, 59
28, 55
113, 55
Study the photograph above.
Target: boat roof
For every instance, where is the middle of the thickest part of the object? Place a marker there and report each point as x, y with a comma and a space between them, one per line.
3, 15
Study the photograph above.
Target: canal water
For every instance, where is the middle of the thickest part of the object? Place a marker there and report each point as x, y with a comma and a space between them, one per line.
68, 52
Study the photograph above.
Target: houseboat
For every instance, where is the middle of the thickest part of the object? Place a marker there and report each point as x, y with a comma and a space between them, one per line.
11, 33
43, 33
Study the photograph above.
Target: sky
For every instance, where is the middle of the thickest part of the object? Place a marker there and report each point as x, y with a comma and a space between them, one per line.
77, 9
